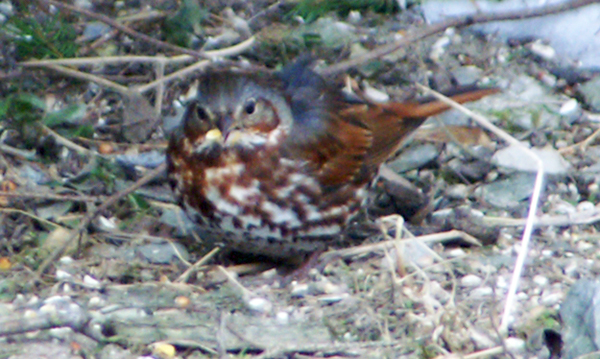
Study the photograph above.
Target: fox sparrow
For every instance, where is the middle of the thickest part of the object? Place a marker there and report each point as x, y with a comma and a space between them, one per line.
276, 164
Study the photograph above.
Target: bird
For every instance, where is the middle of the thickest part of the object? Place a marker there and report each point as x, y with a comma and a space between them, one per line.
277, 163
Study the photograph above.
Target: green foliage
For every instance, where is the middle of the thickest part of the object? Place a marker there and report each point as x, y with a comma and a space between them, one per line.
311, 10
21, 108
105, 172
181, 28
54, 38
138, 202
69, 114
24, 112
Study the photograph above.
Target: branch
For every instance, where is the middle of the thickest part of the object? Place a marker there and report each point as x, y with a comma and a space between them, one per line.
107, 20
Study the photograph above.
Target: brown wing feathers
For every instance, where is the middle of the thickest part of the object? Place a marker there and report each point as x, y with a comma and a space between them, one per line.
365, 135
390, 123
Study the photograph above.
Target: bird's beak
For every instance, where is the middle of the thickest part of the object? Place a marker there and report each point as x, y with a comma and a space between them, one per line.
214, 135
229, 129
225, 124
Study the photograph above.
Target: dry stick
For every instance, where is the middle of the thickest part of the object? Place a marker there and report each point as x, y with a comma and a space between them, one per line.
74, 198
535, 196
107, 20
89, 217
89, 77
455, 22
173, 60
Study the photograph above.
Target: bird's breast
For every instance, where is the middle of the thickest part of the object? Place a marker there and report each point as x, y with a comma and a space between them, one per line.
262, 195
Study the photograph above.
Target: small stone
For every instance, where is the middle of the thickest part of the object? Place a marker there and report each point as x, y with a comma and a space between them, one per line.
481, 292
551, 299
540, 280
66, 260
163, 350
571, 269
467, 75
585, 206
515, 345
282, 317
457, 192
374, 94
455, 253
522, 296
260, 305
570, 108
299, 290
182, 301
91, 282
542, 50
470, 280
96, 302
333, 298
354, 17
62, 275
501, 283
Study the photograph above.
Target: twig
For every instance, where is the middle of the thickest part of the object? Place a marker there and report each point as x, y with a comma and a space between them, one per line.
428, 238
233, 50
28, 155
89, 217
89, 77
52, 196
185, 275
107, 20
66, 142
33, 216
131, 59
584, 217
534, 202
457, 22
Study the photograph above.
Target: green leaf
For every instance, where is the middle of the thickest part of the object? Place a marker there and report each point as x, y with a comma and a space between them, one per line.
68, 115
51, 37
185, 23
29, 99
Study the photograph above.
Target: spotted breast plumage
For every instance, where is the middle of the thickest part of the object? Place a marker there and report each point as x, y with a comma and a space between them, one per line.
277, 164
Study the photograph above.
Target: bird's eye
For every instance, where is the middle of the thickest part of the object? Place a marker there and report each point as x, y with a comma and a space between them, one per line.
250, 106
201, 113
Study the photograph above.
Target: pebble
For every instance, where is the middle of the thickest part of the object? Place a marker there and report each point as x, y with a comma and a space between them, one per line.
571, 269
62, 275
282, 317
333, 298
260, 305
91, 282
522, 296
570, 108
456, 252
551, 299
481, 340
515, 345
548, 253
481, 292
375, 95
542, 50
299, 290
585, 206
470, 280
501, 283
96, 302
66, 260
458, 191
540, 280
